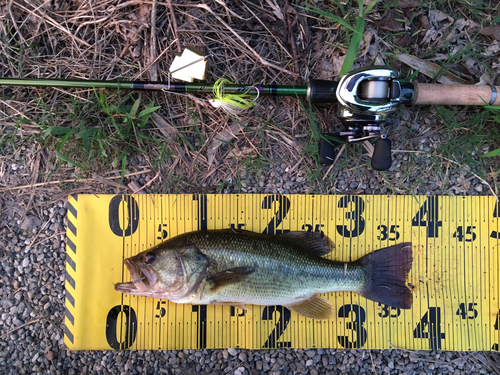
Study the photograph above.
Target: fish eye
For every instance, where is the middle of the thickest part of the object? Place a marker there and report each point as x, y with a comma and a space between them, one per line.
149, 258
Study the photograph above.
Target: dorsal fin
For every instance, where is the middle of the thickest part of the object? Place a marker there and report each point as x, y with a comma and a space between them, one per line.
311, 242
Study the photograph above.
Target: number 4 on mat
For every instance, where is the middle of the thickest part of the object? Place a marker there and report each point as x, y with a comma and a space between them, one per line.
430, 211
429, 327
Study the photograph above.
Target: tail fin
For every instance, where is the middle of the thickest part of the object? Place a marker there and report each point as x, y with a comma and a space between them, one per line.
386, 272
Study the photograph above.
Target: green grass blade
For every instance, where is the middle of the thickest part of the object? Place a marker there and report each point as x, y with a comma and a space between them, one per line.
56, 130
332, 17
492, 153
148, 110
352, 52
69, 160
135, 107
370, 6
124, 164
87, 133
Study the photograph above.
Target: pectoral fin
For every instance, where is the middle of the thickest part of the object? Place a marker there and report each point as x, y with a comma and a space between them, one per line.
315, 307
231, 276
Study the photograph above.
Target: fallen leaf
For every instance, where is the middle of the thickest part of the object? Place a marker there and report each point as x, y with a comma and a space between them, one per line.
236, 152
325, 70
492, 31
367, 37
169, 131
438, 16
404, 41
485, 79
136, 187
50, 355
429, 69
389, 21
225, 136
425, 21
493, 49
329, 69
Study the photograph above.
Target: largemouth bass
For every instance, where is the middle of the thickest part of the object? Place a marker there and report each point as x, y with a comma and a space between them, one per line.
237, 267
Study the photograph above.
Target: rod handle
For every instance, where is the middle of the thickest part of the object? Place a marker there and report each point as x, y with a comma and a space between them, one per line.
428, 93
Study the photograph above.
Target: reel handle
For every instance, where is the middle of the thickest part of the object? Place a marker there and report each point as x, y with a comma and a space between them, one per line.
382, 158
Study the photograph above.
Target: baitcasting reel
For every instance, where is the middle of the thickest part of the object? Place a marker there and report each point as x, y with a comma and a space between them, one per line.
366, 96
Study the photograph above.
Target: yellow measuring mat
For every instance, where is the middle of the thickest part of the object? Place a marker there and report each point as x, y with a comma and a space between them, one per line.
455, 276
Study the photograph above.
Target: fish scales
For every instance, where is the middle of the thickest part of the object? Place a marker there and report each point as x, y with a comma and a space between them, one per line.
237, 267
283, 270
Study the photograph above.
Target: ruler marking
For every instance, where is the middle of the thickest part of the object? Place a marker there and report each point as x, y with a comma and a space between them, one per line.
161, 238
450, 203
484, 247
466, 274
456, 272
476, 261
482, 294
455, 283
495, 270
491, 310
395, 319
385, 243
479, 325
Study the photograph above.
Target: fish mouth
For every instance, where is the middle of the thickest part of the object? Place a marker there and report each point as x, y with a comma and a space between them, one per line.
143, 279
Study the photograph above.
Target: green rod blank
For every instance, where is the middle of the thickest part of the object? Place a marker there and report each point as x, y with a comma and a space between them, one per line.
175, 87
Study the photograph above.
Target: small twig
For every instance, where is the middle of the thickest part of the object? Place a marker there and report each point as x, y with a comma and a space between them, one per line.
147, 67
86, 180
373, 364
19, 327
42, 228
11, 107
174, 25
45, 239
153, 71
290, 26
148, 183
14, 23
105, 181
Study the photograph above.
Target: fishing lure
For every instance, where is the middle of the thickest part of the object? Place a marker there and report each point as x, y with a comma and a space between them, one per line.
232, 103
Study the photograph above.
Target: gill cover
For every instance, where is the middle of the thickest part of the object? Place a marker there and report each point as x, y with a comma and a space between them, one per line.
169, 273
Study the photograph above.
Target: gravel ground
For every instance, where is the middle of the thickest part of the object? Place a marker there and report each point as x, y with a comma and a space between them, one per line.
32, 221
32, 252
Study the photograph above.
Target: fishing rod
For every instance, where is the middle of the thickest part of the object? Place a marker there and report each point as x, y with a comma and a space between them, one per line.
366, 97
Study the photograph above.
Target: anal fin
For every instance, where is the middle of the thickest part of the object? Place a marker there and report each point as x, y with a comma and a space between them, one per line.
314, 307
